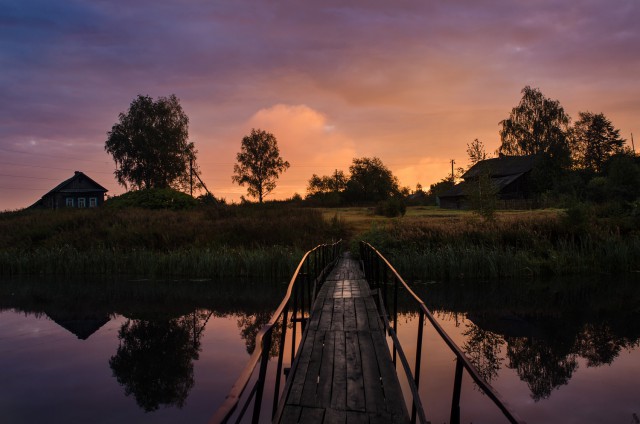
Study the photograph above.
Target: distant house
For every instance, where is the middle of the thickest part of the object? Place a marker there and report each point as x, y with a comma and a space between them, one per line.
509, 174
78, 191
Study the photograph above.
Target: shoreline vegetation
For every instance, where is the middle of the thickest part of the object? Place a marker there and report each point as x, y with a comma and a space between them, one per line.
267, 241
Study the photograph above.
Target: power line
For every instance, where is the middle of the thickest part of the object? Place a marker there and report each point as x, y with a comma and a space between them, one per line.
52, 156
31, 178
49, 167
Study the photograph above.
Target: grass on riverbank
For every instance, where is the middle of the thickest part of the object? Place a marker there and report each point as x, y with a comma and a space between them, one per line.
268, 241
516, 244
237, 241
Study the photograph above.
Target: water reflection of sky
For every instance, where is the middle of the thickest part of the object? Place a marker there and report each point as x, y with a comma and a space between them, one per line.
49, 373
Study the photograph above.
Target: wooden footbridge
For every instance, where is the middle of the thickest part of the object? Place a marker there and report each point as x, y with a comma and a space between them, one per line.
343, 370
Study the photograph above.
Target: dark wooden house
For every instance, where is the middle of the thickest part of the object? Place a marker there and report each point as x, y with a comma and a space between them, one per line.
78, 191
509, 174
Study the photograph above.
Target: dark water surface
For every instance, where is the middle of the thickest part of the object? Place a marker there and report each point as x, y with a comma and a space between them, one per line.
558, 351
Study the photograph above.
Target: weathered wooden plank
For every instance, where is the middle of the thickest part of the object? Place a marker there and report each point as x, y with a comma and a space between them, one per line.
337, 322
317, 313
375, 323
295, 393
334, 416
291, 414
362, 318
355, 382
394, 400
327, 315
325, 381
354, 417
339, 383
349, 315
310, 387
311, 416
373, 390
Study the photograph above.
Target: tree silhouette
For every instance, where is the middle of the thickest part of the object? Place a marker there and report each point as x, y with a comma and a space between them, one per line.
370, 181
149, 144
594, 141
483, 348
259, 164
154, 361
538, 125
476, 152
540, 364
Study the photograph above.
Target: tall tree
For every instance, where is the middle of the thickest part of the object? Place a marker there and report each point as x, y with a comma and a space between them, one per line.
333, 183
476, 152
259, 163
149, 144
538, 125
370, 180
594, 141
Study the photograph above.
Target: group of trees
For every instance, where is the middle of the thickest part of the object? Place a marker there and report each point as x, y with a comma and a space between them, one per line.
584, 161
150, 148
369, 181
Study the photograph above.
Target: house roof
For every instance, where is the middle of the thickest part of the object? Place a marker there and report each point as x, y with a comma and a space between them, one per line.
64, 186
502, 166
464, 188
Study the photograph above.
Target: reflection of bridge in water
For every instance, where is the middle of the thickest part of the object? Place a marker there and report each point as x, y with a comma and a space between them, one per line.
343, 370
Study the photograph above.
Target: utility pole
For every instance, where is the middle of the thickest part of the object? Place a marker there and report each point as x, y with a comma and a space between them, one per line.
191, 177
633, 146
453, 178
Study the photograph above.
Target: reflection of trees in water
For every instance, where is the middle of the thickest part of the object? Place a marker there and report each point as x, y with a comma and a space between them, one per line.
250, 325
483, 349
598, 345
540, 364
154, 359
543, 363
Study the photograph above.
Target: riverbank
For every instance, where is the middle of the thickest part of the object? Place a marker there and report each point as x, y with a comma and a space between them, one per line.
267, 241
208, 242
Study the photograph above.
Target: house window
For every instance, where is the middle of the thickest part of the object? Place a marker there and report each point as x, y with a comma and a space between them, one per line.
93, 202
69, 202
81, 202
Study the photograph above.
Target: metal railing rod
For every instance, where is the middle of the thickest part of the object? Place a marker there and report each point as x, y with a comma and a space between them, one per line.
460, 356
231, 401
417, 403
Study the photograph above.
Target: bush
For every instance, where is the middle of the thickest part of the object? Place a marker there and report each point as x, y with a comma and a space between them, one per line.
154, 198
392, 207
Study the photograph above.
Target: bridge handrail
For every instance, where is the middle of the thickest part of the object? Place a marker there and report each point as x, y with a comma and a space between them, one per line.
367, 254
328, 255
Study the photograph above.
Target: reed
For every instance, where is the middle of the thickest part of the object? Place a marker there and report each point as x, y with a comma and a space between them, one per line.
209, 242
523, 246
220, 263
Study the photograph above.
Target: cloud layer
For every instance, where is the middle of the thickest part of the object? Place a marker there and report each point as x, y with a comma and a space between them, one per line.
409, 81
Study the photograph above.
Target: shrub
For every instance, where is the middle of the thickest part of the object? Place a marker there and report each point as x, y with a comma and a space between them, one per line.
153, 198
392, 207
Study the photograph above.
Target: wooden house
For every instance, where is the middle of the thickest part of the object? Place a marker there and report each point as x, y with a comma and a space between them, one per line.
78, 191
510, 175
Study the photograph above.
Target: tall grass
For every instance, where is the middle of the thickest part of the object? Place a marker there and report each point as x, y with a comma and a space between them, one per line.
207, 242
510, 247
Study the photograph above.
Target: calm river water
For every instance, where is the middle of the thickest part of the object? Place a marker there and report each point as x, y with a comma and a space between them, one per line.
162, 352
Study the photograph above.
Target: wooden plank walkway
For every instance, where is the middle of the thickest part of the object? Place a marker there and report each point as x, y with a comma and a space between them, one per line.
343, 372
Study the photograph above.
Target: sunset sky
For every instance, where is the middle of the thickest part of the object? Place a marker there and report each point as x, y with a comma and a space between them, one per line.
411, 82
